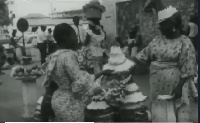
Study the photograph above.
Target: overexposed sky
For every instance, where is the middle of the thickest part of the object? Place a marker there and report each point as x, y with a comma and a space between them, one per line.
23, 7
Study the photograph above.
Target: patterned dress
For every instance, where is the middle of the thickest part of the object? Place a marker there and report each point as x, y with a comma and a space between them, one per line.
171, 60
69, 100
85, 59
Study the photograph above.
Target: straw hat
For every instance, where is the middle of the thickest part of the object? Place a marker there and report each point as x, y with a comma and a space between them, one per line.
166, 13
117, 60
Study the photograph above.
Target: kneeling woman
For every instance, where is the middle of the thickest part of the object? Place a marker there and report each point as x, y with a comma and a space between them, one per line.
69, 100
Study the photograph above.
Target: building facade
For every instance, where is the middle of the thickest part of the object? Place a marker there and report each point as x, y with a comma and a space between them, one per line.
120, 15
68, 14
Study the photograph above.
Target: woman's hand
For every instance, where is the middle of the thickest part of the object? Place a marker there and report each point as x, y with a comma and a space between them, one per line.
105, 72
177, 92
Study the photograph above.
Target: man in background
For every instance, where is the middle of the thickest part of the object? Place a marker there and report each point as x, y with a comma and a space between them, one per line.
14, 43
42, 43
52, 46
80, 32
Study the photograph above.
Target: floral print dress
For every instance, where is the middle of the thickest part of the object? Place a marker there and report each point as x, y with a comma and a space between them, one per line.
171, 60
69, 100
85, 59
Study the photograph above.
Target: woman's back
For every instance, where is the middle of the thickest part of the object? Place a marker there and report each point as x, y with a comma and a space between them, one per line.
73, 83
59, 73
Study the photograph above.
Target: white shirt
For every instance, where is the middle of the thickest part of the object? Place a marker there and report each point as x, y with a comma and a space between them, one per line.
193, 29
41, 37
80, 32
51, 38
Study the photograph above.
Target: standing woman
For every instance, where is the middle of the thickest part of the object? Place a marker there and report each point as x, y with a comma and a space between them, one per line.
94, 40
69, 99
173, 64
84, 59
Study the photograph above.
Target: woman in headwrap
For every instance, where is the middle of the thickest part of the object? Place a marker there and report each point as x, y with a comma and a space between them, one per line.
173, 65
74, 86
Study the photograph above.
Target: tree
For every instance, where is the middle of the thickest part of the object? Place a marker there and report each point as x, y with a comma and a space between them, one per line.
4, 14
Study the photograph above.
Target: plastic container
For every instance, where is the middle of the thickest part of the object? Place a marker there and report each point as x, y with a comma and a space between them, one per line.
163, 111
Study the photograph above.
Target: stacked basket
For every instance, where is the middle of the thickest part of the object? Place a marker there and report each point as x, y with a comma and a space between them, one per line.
98, 111
133, 108
93, 9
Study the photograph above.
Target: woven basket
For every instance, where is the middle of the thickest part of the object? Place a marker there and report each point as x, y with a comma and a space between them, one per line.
93, 13
105, 115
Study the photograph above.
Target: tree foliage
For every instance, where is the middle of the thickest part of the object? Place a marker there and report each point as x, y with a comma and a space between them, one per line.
4, 14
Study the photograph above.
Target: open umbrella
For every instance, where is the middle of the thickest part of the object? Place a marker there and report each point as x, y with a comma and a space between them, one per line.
22, 26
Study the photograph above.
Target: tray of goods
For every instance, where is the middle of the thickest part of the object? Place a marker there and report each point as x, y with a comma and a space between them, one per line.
20, 73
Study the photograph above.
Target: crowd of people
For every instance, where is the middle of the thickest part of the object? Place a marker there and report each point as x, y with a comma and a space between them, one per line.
71, 71
76, 57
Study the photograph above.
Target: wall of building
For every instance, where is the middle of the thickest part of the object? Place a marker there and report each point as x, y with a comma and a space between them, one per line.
68, 14
109, 19
147, 21
149, 28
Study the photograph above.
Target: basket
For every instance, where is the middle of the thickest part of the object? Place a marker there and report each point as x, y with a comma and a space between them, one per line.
93, 13
98, 115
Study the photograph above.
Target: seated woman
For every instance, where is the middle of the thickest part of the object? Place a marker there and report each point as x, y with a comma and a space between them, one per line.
74, 85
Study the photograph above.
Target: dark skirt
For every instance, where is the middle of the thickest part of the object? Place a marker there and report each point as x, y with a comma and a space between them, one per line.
46, 107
